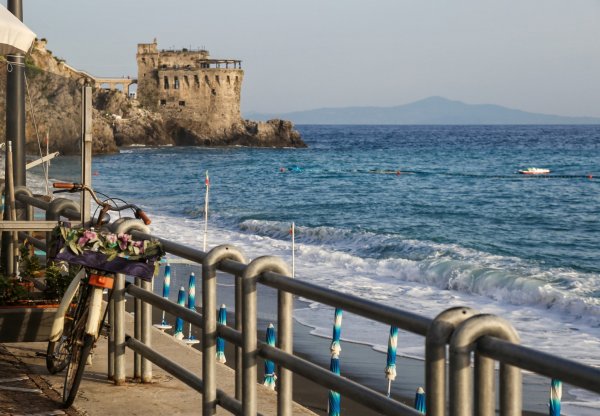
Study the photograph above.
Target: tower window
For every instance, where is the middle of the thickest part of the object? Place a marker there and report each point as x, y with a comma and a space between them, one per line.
181, 103
176, 83
196, 80
166, 82
163, 102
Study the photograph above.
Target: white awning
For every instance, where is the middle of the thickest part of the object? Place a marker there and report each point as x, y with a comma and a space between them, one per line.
15, 37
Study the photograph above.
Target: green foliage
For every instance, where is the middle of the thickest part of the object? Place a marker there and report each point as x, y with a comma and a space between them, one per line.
57, 281
11, 290
29, 264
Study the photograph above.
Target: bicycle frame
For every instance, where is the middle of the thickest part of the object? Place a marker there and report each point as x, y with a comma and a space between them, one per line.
92, 326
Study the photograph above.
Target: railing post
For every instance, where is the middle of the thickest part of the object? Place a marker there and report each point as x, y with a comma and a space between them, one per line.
111, 339
238, 327
249, 341
137, 331
146, 322
209, 320
119, 347
124, 226
462, 344
438, 335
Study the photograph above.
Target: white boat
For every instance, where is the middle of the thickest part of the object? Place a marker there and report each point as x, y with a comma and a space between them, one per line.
535, 171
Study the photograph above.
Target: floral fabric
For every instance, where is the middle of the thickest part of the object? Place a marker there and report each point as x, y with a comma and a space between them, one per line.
105, 251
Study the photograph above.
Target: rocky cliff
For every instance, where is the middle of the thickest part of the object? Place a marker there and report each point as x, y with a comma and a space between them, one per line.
53, 105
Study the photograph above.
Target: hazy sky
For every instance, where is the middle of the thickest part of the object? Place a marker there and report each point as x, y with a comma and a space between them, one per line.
534, 55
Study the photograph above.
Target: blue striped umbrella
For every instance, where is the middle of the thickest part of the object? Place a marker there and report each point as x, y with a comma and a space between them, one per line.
179, 321
222, 319
191, 304
334, 396
166, 291
336, 348
270, 376
555, 397
420, 400
390, 368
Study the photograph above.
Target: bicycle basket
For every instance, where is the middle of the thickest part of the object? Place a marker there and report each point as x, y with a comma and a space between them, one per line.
105, 251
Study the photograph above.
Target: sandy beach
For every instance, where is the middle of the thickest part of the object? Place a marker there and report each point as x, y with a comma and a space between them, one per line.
357, 361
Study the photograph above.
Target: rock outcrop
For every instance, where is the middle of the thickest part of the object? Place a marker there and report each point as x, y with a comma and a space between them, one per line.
54, 108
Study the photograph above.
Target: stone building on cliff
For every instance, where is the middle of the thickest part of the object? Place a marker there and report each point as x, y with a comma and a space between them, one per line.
189, 84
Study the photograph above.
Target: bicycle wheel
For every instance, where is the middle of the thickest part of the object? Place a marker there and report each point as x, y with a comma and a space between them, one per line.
79, 347
79, 354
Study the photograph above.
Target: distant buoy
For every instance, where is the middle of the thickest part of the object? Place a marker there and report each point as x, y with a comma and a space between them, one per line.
398, 173
96, 173
590, 176
281, 169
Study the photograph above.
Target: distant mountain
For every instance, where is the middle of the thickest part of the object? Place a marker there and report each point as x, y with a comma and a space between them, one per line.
432, 110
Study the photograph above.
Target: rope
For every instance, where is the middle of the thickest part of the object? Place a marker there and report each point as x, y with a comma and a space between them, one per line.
473, 175
37, 134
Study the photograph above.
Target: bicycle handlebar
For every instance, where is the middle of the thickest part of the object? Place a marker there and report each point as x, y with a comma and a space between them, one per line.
79, 187
64, 185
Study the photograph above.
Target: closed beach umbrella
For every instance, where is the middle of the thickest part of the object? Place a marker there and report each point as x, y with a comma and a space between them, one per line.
334, 366
270, 376
334, 396
420, 400
191, 304
179, 321
390, 368
555, 397
222, 319
336, 348
15, 37
165, 293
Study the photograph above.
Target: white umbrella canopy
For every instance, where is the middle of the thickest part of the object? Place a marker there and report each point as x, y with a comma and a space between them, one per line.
15, 37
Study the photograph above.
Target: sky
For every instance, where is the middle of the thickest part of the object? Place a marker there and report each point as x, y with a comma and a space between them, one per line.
533, 55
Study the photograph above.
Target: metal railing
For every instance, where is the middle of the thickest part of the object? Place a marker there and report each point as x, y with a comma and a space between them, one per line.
465, 331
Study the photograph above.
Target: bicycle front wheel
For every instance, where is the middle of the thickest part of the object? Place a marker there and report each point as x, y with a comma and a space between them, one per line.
58, 355
80, 351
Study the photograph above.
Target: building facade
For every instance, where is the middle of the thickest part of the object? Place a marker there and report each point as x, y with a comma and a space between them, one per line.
189, 84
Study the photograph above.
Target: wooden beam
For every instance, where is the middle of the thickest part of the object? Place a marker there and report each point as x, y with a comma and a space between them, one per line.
27, 225
42, 160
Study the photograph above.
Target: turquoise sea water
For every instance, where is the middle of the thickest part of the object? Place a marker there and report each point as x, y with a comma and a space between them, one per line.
457, 225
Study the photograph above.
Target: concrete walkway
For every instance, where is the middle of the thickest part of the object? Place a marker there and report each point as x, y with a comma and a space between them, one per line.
99, 396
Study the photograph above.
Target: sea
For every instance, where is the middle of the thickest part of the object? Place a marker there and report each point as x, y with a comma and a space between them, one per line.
417, 217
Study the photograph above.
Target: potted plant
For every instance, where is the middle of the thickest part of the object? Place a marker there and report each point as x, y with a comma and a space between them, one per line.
28, 302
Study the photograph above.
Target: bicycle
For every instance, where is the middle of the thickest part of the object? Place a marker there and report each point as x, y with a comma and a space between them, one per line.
101, 254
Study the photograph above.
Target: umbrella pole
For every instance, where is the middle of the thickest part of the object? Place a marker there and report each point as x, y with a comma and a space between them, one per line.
207, 183
389, 390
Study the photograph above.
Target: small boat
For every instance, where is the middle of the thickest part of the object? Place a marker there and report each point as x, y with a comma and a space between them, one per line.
535, 171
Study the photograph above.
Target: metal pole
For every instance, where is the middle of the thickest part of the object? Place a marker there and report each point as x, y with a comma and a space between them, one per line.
146, 320
10, 202
15, 103
137, 331
86, 152
209, 322
119, 297
111, 339
462, 344
285, 338
438, 335
249, 341
238, 326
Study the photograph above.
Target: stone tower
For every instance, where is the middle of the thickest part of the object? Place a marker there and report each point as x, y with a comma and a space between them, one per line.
189, 85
